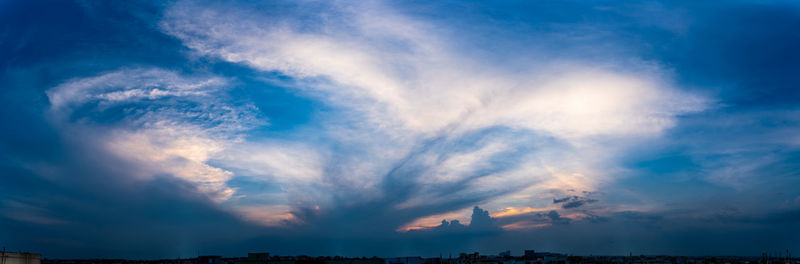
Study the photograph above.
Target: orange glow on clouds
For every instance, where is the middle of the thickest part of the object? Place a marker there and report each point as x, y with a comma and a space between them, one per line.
435, 220
266, 215
512, 211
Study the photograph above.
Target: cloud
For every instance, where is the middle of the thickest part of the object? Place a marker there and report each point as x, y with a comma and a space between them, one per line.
400, 116
347, 62
129, 85
556, 218
532, 220
480, 223
573, 201
416, 118
562, 199
81, 210
428, 115
166, 122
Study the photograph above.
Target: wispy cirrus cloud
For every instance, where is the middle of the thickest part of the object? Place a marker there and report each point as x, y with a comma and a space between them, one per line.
430, 117
166, 122
350, 62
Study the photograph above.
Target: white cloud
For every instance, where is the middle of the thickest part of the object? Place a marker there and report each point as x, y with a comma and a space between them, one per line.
180, 151
159, 134
419, 85
411, 85
129, 85
287, 163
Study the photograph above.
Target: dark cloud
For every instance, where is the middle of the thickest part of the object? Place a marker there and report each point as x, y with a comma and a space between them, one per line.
480, 223
556, 218
573, 201
87, 205
555, 201
351, 217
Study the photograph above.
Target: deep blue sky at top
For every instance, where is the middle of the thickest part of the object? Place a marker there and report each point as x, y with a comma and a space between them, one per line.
143, 129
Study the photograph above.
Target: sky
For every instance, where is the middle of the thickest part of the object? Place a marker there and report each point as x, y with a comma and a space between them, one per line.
166, 129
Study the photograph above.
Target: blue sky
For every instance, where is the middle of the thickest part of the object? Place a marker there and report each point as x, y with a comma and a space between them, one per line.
162, 129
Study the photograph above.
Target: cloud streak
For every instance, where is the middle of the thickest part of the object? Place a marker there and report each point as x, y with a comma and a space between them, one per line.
449, 117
